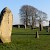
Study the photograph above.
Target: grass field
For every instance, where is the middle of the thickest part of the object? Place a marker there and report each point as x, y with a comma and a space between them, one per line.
25, 40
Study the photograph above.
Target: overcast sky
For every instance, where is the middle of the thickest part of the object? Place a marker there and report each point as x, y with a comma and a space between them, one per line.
15, 5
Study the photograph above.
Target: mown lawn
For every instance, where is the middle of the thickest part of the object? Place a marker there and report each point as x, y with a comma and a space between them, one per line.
25, 40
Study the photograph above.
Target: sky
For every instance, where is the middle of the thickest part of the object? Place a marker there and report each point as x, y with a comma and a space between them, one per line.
15, 5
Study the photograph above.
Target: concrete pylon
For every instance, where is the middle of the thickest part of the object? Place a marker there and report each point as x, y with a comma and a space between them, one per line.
6, 25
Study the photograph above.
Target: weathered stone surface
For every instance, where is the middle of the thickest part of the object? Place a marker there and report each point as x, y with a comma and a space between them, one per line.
5, 25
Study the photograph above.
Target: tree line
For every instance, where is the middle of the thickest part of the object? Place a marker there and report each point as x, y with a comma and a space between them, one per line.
31, 15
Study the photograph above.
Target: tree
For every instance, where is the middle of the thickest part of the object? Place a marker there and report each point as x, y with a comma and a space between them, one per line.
27, 12
41, 17
34, 16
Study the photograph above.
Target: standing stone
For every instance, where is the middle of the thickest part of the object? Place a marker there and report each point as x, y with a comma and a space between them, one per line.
49, 23
37, 35
6, 25
49, 27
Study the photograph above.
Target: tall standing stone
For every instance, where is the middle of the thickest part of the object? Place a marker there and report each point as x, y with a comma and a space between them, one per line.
6, 25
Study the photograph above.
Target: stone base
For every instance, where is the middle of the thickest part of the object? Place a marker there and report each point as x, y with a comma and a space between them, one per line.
6, 39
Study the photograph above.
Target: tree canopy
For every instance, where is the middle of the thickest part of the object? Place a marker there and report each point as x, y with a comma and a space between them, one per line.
30, 14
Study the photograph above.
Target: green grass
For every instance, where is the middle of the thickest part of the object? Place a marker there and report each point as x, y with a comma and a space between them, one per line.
25, 40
